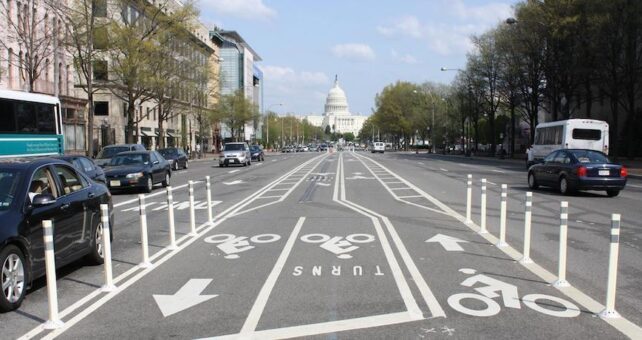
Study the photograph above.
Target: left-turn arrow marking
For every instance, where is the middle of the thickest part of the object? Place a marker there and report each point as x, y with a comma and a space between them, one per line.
188, 296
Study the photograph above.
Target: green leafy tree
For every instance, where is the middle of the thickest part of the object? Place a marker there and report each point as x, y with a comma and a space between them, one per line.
234, 110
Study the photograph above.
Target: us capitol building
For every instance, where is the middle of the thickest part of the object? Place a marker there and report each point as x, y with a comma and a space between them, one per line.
337, 115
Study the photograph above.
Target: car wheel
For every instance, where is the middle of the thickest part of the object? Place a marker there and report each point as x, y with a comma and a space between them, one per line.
612, 193
564, 187
186, 165
249, 162
175, 166
95, 255
166, 182
150, 185
532, 182
12, 278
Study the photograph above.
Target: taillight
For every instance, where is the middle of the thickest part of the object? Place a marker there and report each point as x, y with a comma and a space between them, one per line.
623, 172
581, 171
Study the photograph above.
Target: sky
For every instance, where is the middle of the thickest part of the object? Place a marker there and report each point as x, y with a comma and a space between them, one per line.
367, 44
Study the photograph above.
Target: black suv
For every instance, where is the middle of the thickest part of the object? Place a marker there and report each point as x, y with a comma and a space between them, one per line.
33, 190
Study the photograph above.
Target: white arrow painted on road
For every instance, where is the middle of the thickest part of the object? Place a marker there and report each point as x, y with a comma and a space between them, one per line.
238, 181
448, 242
188, 296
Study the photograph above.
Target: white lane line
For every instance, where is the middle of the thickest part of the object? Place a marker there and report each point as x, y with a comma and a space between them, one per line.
401, 189
491, 183
622, 324
422, 163
261, 300
442, 169
413, 196
634, 186
233, 171
464, 165
265, 197
500, 171
400, 279
327, 327
201, 230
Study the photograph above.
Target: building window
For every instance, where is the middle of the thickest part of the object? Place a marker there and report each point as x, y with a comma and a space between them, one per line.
100, 8
101, 38
100, 70
101, 108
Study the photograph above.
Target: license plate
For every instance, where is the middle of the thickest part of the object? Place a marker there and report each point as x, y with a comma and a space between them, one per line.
604, 172
114, 183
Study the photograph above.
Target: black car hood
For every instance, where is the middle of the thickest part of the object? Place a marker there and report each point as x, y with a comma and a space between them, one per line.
124, 170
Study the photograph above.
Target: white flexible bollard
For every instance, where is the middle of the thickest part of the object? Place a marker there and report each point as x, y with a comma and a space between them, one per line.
209, 199
170, 217
528, 207
502, 218
192, 215
143, 232
561, 272
482, 229
109, 277
50, 268
469, 198
609, 310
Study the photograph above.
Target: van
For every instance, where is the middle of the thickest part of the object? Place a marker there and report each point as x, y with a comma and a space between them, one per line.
378, 147
568, 134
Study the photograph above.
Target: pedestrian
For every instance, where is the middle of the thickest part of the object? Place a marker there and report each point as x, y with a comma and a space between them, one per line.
530, 157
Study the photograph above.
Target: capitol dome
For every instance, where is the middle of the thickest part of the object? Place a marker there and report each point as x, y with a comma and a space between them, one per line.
336, 103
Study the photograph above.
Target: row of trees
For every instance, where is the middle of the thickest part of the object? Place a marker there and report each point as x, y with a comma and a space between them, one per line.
569, 59
136, 50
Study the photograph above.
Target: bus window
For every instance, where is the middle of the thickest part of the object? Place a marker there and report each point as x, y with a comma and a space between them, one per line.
8, 122
588, 134
46, 118
25, 118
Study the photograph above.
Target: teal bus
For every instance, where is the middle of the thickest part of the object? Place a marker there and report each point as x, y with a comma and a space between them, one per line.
30, 125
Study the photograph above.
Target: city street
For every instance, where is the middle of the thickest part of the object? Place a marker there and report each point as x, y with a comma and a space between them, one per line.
352, 245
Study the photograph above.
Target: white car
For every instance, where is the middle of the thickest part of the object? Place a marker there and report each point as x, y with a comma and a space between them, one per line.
235, 153
378, 147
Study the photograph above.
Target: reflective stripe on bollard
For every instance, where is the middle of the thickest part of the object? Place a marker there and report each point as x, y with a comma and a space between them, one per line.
50, 268
502, 217
170, 217
209, 199
109, 280
609, 311
526, 258
483, 208
192, 217
561, 273
469, 198
143, 232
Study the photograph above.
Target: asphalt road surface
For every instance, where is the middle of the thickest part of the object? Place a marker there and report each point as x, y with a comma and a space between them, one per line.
352, 245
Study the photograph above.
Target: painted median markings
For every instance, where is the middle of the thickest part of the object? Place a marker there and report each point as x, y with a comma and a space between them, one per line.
233, 245
198, 205
355, 177
187, 296
448, 242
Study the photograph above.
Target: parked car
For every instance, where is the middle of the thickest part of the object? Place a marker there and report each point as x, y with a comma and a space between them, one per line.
323, 147
86, 165
569, 170
105, 155
235, 153
256, 152
45, 189
176, 157
137, 169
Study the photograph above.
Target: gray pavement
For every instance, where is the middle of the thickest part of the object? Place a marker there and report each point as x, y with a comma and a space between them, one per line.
336, 246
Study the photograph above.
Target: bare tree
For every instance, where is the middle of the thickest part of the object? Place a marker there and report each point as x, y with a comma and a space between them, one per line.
30, 39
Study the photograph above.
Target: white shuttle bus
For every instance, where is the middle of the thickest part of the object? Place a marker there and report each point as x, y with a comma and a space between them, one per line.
569, 134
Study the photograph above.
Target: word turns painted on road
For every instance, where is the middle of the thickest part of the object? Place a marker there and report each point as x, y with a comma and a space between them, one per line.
337, 270
337, 244
233, 245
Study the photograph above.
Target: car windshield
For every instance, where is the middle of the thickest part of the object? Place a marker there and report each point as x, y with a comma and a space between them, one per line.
9, 180
590, 156
255, 148
168, 152
133, 159
234, 147
111, 152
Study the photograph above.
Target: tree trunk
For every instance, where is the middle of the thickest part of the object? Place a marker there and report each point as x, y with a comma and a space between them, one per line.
131, 114
513, 128
90, 118
161, 131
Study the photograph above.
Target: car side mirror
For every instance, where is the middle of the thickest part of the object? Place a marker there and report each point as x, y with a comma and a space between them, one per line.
42, 200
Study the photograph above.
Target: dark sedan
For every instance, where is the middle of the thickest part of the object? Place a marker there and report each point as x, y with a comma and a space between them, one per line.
137, 169
570, 170
86, 165
256, 152
45, 189
176, 157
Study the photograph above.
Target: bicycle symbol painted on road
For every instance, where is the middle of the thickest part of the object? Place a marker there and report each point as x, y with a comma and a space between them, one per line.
337, 244
495, 288
232, 245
